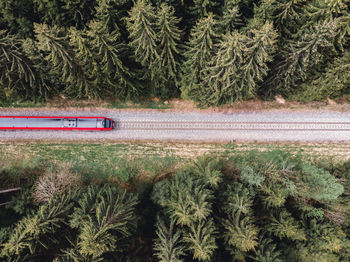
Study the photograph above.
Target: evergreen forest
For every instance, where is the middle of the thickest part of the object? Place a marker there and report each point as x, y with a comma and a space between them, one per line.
212, 52
250, 207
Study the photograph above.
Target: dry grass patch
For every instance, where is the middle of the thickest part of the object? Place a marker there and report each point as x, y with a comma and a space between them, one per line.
55, 180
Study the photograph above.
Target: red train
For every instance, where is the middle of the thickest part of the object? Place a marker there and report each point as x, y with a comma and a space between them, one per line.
56, 123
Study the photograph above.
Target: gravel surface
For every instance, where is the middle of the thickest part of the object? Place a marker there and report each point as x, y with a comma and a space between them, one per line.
186, 135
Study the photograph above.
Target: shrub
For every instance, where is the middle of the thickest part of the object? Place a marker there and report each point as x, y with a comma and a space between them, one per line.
56, 180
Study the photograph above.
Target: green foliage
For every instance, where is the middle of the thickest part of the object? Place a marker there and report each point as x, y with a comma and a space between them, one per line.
169, 51
141, 25
201, 7
17, 72
248, 175
231, 17
168, 246
285, 226
16, 19
198, 54
65, 12
201, 240
272, 206
109, 218
184, 198
31, 232
208, 169
301, 55
240, 63
266, 252
240, 232
321, 185
54, 42
214, 51
333, 83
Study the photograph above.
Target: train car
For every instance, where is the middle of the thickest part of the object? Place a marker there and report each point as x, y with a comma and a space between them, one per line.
55, 123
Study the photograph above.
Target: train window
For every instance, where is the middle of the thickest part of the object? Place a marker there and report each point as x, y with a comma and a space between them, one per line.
108, 123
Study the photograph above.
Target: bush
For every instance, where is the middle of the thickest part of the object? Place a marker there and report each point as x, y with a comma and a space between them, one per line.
56, 180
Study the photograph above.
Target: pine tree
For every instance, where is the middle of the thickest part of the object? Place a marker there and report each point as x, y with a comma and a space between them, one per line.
207, 169
320, 184
334, 10
231, 17
187, 200
39, 230
198, 54
15, 19
18, 73
109, 49
54, 42
273, 194
287, 15
45, 84
105, 218
221, 82
300, 56
266, 252
201, 8
168, 245
168, 65
201, 240
112, 14
65, 12
240, 64
325, 243
285, 226
240, 232
141, 25
335, 82
259, 53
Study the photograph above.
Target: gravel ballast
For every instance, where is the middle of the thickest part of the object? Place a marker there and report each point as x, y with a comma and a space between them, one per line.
187, 135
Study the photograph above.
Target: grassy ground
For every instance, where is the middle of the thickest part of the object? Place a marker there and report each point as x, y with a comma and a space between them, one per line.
108, 154
129, 163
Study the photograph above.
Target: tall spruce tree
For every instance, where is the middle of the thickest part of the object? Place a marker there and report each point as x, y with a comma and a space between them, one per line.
300, 56
319, 11
21, 69
54, 42
201, 8
17, 20
38, 232
187, 199
335, 82
169, 34
45, 84
231, 17
284, 226
141, 25
240, 64
201, 241
221, 78
199, 53
168, 246
240, 231
109, 50
110, 221
288, 17
65, 12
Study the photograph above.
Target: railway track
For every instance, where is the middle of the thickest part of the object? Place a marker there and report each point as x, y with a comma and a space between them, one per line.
231, 125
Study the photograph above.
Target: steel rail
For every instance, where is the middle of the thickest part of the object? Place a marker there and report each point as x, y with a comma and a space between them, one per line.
231, 125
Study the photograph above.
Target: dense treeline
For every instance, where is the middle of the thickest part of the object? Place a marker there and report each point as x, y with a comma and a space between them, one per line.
212, 52
251, 207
